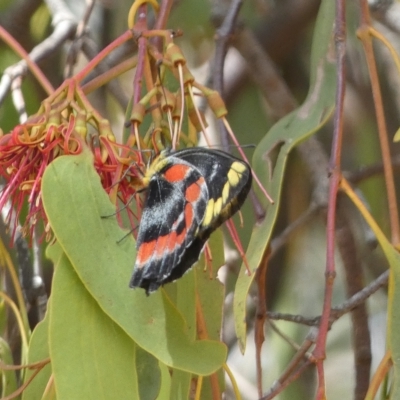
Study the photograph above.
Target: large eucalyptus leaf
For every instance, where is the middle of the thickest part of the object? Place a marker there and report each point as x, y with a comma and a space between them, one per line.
38, 351
91, 356
75, 204
271, 155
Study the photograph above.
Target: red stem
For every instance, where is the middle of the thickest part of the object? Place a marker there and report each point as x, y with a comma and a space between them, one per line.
163, 14
330, 273
365, 37
103, 54
36, 71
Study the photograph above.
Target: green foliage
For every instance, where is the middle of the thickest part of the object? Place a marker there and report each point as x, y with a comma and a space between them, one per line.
38, 351
9, 381
104, 339
279, 142
99, 338
91, 356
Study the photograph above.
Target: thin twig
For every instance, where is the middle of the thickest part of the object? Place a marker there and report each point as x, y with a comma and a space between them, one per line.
18, 99
330, 273
352, 266
113, 86
301, 354
365, 37
20, 68
279, 241
27, 382
278, 386
221, 46
64, 23
76, 45
285, 337
370, 171
338, 311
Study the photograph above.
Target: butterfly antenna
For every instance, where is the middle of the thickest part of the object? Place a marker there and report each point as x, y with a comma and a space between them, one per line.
124, 207
126, 235
133, 163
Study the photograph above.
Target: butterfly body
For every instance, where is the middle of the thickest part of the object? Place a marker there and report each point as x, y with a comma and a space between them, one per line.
190, 193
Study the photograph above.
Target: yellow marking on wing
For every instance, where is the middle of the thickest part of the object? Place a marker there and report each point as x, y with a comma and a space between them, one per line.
239, 167
225, 192
218, 207
233, 177
208, 215
236, 172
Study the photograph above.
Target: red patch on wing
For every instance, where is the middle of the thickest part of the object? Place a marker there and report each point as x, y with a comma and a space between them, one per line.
168, 243
176, 173
188, 215
162, 245
176, 240
145, 251
193, 192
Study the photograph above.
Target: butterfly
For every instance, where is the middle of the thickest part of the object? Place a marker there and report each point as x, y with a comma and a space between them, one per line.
190, 193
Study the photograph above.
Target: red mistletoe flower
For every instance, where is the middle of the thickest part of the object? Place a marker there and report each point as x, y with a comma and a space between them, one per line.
25, 153
29, 148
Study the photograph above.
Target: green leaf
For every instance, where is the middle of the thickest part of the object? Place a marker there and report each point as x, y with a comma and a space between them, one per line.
211, 296
279, 141
38, 351
198, 293
75, 203
393, 257
180, 385
8, 378
211, 293
165, 382
92, 357
186, 300
149, 375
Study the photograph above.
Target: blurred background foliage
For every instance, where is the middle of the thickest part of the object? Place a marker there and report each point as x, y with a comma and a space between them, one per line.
284, 29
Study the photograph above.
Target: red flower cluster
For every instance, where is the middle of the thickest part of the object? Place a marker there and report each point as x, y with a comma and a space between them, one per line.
28, 149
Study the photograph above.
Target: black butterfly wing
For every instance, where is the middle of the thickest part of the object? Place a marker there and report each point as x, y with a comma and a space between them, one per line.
177, 197
228, 180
